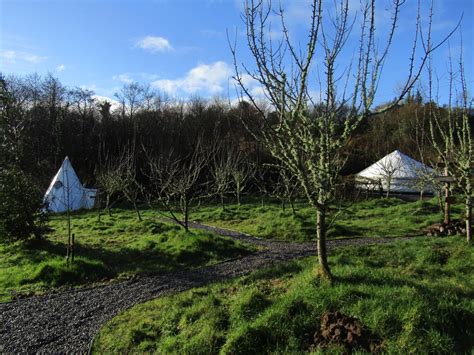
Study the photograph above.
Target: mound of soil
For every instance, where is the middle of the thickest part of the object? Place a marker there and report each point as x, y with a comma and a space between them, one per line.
345, 331
443, 229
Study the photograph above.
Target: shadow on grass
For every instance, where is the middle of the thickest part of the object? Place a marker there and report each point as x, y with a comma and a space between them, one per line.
358, 280
94, 264
285, 269
451, 320
338, 230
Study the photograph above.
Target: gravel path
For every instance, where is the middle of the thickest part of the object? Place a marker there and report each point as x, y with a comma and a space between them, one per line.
67, 321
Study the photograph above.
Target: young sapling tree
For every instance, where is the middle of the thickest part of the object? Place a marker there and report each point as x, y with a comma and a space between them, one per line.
310, 146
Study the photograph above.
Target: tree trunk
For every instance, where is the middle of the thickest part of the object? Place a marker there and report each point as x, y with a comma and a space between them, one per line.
222, 201
68, 250
321, 244
99, 207
108, 206
137, 211
293, 207
469, 219
389, 185
238, 194
447, 197
186, 216
72, 248
439, 194
68, 216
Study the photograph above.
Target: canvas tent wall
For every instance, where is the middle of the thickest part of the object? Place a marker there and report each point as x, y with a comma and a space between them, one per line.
66, 191
398, 173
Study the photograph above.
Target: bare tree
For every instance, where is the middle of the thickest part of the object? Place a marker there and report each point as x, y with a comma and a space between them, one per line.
178, 183
70, 198
310, 145
126, 179
221, 169
426, 181
277, 182
83, 101
108, 180
241, 172
289, 189
14, 94
131, 98
419, 126
451, 135
388, 169
261, 182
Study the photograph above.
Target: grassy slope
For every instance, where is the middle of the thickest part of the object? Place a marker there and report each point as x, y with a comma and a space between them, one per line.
377, 217
417, 295
117, 246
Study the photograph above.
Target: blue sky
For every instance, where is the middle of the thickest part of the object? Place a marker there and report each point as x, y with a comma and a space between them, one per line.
179, 46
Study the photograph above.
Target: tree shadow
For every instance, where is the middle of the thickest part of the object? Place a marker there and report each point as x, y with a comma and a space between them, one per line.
93, 263
456, 322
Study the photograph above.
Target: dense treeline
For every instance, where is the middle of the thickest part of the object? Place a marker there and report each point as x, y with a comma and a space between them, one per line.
52, 121
49, 121
144, 147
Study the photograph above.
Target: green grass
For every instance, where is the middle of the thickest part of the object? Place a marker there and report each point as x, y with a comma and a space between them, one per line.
417, 296
118, 246
371, 218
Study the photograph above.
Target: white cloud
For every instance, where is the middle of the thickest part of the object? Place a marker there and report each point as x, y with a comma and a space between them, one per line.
124, 78
92, 87
128, 78
208, 78
147, 76
154, 44
212, 34
258, 92
115, 105
169, 86
13, 56
248, 80
32, 58
8, 55
60, 68
253, 86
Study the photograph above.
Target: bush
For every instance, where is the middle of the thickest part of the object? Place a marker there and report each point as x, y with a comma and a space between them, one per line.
20, 204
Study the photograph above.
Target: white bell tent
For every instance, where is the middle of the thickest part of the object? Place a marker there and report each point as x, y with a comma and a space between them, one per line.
66, 191
396, 172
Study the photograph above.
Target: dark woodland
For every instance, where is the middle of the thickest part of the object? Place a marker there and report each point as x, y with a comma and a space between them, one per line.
47, 121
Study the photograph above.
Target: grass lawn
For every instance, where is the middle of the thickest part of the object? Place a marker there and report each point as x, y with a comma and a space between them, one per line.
118, 246
370, 218
415, 296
